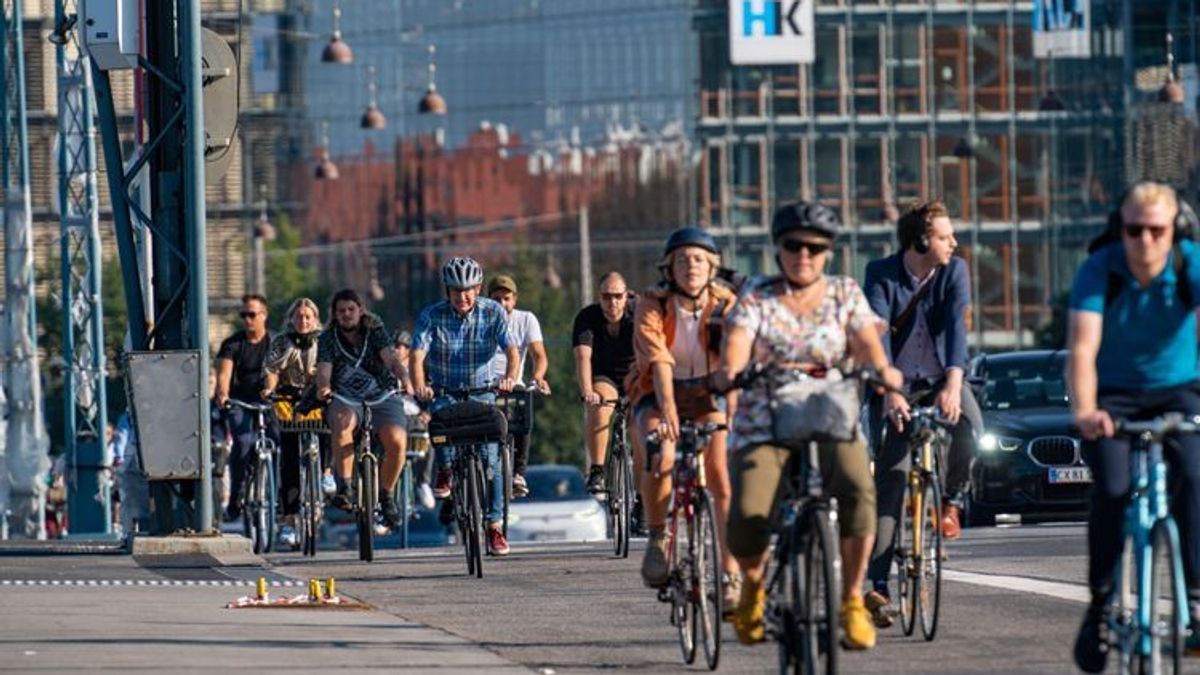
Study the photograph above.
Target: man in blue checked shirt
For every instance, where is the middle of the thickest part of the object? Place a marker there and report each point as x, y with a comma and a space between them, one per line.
453, 341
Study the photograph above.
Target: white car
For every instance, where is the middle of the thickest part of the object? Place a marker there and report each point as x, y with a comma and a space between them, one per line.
557, 508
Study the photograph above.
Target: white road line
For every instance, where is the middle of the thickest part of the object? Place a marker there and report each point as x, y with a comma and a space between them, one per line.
149, 582
1052, 589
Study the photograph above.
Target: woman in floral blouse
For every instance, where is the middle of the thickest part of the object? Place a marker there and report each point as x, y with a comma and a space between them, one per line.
801, 320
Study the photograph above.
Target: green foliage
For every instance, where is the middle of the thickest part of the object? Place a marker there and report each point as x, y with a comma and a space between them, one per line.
558, 425
287, 277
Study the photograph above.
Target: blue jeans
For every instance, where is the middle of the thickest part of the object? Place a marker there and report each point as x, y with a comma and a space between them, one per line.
491, 460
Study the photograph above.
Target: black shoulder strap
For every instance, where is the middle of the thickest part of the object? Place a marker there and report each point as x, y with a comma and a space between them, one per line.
1112, 289
1183, 286
909, 310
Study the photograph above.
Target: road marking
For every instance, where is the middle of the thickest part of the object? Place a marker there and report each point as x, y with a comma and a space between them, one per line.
225, 583
1053, 589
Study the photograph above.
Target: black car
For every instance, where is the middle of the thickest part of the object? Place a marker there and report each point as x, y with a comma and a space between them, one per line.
1027, 461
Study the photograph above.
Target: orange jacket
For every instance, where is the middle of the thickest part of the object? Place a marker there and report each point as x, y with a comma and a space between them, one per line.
654, 333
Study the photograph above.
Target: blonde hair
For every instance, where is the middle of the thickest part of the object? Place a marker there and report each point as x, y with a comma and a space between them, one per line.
297, 304
1148, 193
714, 263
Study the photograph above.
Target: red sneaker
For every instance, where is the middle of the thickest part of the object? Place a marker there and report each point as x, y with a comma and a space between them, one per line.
496, 543
951, 522
441, 485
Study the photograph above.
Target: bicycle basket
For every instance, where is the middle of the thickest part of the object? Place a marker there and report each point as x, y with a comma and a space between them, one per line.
467, 423
291, 420
518, 410
815, 409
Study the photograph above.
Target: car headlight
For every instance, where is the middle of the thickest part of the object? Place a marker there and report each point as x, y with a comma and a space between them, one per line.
991, 442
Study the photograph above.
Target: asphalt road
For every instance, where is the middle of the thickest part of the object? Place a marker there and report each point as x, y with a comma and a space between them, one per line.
1011, 603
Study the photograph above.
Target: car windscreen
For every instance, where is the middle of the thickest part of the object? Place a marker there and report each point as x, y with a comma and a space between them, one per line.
1034, 383
555, 486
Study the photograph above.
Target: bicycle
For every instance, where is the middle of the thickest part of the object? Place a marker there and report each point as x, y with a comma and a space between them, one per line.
693, 548
620, 492
517, 407
1149, 632
406, 496
918, 539
484, 424
364, 483
310, 424
258, 495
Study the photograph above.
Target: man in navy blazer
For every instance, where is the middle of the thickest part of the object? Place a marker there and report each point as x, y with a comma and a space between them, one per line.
923, 293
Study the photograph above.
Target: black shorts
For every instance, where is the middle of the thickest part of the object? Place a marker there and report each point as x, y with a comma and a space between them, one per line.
618, 384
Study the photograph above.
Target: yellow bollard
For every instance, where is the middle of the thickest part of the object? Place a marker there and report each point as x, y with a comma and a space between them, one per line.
314, 590
261, 587
329, 591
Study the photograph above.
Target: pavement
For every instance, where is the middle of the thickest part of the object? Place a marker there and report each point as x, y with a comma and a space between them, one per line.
1011, 602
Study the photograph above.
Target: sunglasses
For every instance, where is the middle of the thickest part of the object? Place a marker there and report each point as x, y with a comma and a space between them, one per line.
1134, 231
611, 296
247, 315
794, 246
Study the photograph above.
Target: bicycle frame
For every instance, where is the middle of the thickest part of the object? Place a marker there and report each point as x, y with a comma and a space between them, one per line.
927, 432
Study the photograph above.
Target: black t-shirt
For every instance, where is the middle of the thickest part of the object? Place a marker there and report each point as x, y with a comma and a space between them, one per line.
612, 355
248, 378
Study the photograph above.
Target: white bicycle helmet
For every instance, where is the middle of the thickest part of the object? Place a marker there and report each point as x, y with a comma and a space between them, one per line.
462, 273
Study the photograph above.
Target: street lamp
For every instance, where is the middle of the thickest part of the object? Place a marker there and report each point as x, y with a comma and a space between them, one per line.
432, 102
337, 51
326, 169
373, 118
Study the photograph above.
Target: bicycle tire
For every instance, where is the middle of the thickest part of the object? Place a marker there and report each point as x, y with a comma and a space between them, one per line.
315, 501
629, 489
907, 581
506, 465
784, 600
461, 519
681, 577
1167, 628
368, 495
707, 610
264, 511
819, 626
611, 498
475, 514
404, 501
247, 500
929, 598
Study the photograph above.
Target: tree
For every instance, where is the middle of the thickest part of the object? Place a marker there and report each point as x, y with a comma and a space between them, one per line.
287, 278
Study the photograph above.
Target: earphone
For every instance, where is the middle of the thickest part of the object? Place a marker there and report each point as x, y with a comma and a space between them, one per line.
921, 245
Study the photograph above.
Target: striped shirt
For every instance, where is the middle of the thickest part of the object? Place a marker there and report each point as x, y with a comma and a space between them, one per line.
458, 348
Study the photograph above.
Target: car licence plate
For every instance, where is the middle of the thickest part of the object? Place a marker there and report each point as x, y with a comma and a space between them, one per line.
1073, 474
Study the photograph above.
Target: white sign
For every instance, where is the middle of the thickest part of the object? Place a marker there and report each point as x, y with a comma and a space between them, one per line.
1062, 29
771, 31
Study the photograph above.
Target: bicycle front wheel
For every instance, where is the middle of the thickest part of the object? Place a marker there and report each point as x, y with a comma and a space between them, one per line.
706, 573
310, 500
680, 563
404, 501
474, 507
819, 613
929, 561
908, 581
264, 506
1168, 611
506, 464
368, 495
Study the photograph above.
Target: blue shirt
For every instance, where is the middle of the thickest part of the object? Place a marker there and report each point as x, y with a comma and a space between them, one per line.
1149, 337
458, 348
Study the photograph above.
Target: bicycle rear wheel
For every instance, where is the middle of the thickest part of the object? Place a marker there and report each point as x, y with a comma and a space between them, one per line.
474, 506
368, 495
819, 616
1168, 618
929, 560
681, 582
706, 574
907, 580
506, 464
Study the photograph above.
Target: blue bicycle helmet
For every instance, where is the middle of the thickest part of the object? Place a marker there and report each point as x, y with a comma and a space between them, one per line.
691, 236
802, 215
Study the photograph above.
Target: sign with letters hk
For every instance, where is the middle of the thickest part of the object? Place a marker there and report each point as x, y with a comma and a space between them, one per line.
771, 32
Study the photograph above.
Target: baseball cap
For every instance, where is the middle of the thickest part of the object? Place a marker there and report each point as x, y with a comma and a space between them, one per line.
502, 282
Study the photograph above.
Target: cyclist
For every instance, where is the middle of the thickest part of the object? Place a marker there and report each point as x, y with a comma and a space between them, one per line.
922, 293
602, 339
240, 375
291, 364
676, 343
1132, 353
801, 319
526, 332
453, 342
355, 359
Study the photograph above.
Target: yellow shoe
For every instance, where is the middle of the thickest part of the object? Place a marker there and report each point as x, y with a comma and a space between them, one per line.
857, 630
748, 618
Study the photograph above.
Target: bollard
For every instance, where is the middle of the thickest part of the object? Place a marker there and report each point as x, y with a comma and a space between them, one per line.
261, 587
329, 591
314, 590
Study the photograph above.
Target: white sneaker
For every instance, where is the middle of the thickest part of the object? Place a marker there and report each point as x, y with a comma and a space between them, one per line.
328, 485
425, 496
289, 538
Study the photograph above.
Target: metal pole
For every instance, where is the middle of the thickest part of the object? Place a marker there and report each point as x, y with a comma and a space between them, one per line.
1010, 63
193, 223
585, 258
25, 459
973, 168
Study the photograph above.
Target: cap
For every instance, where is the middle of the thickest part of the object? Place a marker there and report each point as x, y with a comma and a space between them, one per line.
502, 282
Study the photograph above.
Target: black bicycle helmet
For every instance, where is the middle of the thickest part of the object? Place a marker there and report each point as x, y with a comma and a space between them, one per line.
806, 216
690, 236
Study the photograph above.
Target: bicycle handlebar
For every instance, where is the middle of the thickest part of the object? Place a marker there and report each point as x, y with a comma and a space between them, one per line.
931, 413
1160, 426
701, 430
253, 407
756, 371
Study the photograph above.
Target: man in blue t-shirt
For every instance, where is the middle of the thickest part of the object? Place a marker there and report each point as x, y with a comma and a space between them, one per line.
1133, 354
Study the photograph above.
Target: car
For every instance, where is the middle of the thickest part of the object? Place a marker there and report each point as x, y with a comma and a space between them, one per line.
1028, 459
557, 508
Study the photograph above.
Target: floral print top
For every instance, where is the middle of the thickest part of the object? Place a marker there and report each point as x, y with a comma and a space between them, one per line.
820, 337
